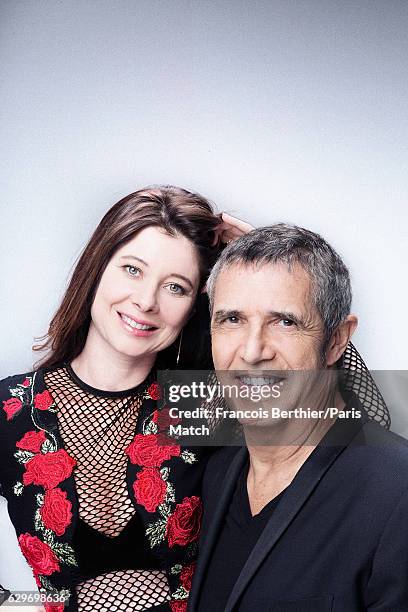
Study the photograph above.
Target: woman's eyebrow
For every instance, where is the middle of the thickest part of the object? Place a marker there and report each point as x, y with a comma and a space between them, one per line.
136, 258
184, 278
181, 276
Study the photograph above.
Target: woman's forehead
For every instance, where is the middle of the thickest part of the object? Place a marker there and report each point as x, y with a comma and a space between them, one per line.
154, 246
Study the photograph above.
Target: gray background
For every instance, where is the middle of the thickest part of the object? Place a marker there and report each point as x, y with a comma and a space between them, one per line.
277, 111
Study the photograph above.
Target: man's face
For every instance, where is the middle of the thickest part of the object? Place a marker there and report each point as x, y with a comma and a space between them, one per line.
264, 319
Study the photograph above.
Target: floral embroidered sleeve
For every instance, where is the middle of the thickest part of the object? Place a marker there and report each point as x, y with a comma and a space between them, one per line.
44, 466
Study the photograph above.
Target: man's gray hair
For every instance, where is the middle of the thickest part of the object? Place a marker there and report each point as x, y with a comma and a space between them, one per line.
291, 245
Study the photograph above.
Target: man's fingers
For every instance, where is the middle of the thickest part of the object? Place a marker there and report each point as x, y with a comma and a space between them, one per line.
230, 229
238, 224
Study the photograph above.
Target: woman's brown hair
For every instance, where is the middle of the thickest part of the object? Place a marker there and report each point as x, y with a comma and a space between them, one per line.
175, 210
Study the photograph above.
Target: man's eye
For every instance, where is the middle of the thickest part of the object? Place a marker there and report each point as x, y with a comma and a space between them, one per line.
176, 289
230, 319
132, 270
286, 322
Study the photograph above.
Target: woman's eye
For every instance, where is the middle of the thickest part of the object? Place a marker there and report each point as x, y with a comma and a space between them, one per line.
132, 270
176, 289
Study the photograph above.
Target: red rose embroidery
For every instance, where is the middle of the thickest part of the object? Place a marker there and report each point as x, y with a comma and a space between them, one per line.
11, 406
39, 555
178, 605
42, 401
186, 576
183, 526
54, 607
56, 511
154, 391
32, 441
150, 488
163, 419
26, 382
163, 439
48, 470
145, 450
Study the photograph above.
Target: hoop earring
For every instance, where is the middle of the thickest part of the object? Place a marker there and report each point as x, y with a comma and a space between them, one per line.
179, 348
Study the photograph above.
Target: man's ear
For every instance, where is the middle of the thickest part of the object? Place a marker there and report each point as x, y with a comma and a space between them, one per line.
340, 339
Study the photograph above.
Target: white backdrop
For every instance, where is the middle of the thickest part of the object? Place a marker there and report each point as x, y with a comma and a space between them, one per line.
275, 110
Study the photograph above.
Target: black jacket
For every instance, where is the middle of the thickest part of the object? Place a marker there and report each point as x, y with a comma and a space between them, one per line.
337, 541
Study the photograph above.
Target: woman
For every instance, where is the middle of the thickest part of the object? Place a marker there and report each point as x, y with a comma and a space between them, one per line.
103, 513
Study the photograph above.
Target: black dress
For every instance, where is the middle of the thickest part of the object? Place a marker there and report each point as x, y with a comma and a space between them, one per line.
115, 564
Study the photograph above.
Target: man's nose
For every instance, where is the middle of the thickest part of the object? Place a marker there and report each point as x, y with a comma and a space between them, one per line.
145, 298
256, 347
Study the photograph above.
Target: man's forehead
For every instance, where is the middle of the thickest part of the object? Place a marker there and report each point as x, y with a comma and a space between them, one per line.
262, 285
280, 273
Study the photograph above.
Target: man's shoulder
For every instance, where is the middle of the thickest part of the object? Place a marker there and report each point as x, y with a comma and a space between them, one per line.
373, 435
378, 457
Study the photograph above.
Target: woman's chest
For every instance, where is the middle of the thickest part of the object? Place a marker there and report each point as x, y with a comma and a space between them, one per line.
96, 434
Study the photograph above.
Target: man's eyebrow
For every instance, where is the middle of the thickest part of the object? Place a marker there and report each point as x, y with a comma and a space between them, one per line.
219, 315
286, 314
222, 314
181, 276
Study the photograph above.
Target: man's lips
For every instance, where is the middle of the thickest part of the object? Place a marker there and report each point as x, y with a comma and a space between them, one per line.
259, 380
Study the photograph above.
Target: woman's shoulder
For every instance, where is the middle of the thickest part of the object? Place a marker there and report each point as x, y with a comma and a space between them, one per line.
16, 380
15, 392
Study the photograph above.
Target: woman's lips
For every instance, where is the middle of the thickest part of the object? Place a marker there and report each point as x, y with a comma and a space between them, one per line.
136, 327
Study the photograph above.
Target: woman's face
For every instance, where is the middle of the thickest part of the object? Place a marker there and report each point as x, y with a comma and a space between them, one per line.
145, 295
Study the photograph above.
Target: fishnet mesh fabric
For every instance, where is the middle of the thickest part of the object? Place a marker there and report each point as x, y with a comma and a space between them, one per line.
96, 430
123, 590
357, 378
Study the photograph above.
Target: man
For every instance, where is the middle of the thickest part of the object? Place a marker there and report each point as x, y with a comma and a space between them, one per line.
304, 526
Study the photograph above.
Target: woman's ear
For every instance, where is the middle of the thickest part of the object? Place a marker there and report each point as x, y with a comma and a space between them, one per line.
340, 339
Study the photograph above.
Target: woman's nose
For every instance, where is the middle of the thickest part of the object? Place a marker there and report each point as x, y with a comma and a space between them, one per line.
145, 299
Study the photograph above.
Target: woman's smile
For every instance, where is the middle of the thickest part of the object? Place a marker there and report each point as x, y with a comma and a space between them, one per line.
137, 327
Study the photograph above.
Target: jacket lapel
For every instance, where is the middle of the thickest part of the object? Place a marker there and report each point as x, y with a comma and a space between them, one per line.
214, 522
303, 485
